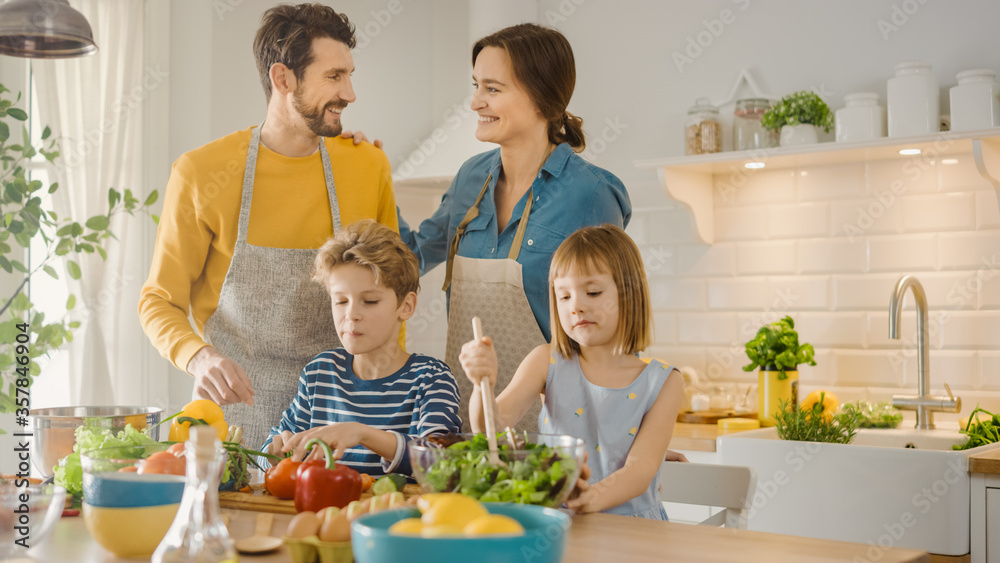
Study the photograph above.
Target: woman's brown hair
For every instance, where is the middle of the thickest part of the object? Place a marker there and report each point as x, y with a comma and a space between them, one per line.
286, 35
544, 66
605, 249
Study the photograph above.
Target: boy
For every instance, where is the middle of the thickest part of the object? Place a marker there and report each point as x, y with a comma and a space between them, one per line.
369, 398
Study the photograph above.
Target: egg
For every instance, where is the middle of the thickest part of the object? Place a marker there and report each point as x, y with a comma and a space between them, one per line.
335, 529
304, 524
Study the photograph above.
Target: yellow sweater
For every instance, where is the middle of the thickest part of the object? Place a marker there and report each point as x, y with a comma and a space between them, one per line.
290, 209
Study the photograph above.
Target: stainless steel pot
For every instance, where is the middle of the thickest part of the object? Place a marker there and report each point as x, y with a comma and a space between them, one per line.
54, 428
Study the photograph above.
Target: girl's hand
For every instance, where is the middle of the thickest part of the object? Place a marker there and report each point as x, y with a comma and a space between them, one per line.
675, 456
359, 137
339, 436
582, 484
479, 360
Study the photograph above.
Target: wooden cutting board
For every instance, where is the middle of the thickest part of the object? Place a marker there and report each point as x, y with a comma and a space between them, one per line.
260, 501
711, 416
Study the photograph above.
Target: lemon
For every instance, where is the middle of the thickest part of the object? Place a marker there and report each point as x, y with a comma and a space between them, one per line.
440, 531
407, 527
453, 510
493, 524
426, 501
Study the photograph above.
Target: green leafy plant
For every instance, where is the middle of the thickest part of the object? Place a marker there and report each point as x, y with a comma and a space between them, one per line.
800, 108
873, 415
810, 425
776, 348
981, 432
25, 215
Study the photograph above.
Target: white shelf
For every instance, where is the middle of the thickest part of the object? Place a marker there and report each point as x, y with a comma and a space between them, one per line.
690, 179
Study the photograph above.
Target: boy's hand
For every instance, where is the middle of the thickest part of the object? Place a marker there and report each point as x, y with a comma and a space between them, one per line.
479, 360
276, 447
339, 436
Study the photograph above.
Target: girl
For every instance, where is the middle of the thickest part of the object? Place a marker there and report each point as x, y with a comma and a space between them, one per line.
593, 385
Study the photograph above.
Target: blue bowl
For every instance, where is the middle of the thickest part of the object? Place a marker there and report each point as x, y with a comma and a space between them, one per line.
543, 540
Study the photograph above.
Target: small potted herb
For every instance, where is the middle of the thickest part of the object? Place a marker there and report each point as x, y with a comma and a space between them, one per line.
776, 351
797, 116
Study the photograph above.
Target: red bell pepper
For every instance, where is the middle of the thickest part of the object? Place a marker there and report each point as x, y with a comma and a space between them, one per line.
329, 485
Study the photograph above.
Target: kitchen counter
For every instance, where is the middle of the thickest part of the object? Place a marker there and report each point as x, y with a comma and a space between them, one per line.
597, 538
986, 462
696, 437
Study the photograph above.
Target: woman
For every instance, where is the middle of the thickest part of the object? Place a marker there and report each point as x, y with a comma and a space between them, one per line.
508, 210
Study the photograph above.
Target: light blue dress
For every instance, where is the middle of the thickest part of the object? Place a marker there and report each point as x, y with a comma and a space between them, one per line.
606, 419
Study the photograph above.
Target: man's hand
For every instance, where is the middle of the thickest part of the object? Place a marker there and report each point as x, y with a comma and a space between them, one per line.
359, 137
218, 378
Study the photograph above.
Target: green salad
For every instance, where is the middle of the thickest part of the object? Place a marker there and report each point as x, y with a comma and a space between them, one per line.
69, 472
535, 473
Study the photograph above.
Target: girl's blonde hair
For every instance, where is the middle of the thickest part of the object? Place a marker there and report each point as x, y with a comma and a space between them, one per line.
375, 246
605, 249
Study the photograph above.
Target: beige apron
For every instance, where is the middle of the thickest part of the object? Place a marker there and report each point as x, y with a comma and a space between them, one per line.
491, 289
272, 319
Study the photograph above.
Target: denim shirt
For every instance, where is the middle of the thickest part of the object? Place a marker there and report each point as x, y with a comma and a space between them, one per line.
569, 193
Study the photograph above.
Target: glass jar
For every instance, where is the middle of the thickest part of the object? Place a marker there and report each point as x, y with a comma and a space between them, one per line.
748, 133
974, 103
912, 100
702, 132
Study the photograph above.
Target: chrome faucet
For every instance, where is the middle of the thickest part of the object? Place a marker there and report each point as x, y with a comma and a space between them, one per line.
922, 402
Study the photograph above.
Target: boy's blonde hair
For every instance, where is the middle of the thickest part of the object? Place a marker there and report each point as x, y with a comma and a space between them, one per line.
605, 249
373, 245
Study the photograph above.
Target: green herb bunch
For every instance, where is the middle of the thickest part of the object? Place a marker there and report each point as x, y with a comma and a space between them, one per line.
799, 108
811, 425
873, 415
776, 348
981, 432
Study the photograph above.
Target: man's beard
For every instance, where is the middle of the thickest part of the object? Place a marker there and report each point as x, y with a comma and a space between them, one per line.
316, 117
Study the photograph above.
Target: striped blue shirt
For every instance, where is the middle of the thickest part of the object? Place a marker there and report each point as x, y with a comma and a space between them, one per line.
419, 399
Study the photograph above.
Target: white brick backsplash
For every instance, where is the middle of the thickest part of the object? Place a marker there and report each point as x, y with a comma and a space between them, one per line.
771, 257
761, 186
677, 356
637, 227
664, 327
958, 368
859, 217
750, 323
706, 259
911, 176
864, 368
737, 294
961, 175
870, 291
906, 344
832, 330
725, 363
987, 210
945, 290
839, 181
671, 227
903, 253
659, 260
939, 212
969, 250
798, 220
989, 292
975, 329
651, 196
798, 292
989, 370
823, 373
740, 223
832, 256
675, 294
707, 328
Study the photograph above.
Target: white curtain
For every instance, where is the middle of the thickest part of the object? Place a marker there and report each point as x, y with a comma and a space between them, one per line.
94, 106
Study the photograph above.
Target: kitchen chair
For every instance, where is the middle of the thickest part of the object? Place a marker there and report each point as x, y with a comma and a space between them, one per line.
706, 484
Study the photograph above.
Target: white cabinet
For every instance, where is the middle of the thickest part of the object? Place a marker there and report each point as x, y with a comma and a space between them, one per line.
985, 518
993, 524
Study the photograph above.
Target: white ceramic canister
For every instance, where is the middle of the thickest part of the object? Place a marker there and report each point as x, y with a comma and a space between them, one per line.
974, 102
861, 120
912, 98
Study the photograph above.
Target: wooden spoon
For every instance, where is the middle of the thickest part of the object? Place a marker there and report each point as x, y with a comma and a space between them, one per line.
488, 403
261, 540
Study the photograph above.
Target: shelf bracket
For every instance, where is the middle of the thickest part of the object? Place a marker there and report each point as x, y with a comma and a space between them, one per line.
993, 154
693, 189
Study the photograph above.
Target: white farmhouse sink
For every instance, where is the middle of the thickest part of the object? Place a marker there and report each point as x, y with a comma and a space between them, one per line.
902, 488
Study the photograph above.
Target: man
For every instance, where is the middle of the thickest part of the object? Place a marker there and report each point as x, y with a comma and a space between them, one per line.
243, 216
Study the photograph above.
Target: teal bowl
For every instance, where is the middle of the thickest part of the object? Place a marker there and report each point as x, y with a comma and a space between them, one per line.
543, 540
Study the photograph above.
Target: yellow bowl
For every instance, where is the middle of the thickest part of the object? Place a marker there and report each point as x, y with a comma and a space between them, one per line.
129, 532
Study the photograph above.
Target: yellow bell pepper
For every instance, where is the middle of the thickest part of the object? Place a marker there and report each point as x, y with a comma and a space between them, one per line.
198, 410
820, 402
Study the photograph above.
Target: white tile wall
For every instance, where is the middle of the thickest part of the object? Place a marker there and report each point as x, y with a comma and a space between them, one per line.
737, 294
859, 217
671, 226
823, 183
988, 282
902, 253
799, 220
878, 329
677, 294
706, 328
706, 260
989, 368
864, 368
939, 212
799, 292
770, 257
833, 330
958, 173
959, 369
765, 186
987, 210
972, 329
902, 176
741, 223
832, 255
969, 250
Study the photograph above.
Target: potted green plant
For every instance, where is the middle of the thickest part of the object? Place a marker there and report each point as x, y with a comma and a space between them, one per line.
776, 351
26, 334
797, 116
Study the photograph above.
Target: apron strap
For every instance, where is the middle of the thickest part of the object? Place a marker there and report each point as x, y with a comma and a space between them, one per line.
515, 248
471, 214
330, 188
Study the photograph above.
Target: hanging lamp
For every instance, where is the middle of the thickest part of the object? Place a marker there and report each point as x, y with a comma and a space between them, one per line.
44, 29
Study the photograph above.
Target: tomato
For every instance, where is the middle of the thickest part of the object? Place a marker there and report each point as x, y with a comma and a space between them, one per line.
129, 469
280, 480
163, 462
177, 449
366, 482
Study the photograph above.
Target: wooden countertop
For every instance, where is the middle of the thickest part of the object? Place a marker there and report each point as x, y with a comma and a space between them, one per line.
986, 462
593, 538
697, 437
